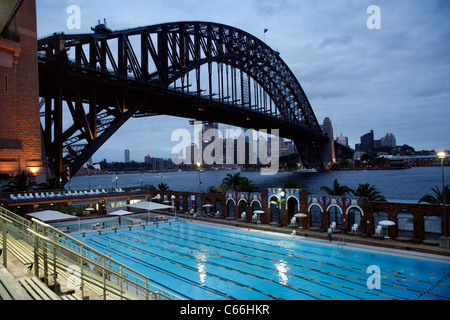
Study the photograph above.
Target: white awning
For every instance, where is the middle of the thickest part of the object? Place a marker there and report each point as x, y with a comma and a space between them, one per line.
149, 206
50, 215
120, 213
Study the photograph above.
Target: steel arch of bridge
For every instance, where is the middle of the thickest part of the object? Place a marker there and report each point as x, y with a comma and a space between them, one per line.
197, 70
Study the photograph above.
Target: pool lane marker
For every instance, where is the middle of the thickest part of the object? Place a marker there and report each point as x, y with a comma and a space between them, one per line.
269, 280
296, 265
206, 273
144, 263
312, 260
158, 269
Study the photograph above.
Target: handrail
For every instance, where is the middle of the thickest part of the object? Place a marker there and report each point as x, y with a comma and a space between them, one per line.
5, 222
51, 237
84, 248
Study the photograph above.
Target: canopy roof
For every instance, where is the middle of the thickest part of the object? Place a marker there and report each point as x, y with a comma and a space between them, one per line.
51, 215
150, 206
120, 213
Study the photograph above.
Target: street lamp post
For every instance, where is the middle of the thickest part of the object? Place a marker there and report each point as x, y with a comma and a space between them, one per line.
199, 166
442, 156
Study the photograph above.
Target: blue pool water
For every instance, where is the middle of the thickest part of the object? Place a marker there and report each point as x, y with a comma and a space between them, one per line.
203, 262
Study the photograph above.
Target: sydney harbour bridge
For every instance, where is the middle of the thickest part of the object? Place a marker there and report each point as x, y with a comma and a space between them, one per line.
196, 70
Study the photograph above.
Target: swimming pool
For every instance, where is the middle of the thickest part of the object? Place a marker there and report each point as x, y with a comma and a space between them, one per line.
206, 262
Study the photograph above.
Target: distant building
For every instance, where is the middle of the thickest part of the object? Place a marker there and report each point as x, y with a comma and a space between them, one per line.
367, 142
329, 152
342, 141
127, 156
389, 141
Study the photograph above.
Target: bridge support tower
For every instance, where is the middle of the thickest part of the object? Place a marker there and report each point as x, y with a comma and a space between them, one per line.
20, 128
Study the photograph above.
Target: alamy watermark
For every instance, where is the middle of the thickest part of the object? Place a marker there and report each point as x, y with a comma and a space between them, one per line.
235, 147
374, 280
374, 21
73, 22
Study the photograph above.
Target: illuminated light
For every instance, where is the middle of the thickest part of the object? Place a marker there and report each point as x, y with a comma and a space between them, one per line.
442, 155
33, 170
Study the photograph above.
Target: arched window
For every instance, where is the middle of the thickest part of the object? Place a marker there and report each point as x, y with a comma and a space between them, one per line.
181, 203
219, 208
189, 203
292, 205
354, 216
379, 216
405, 224
316, 216
335, 215
275, 209
433, 227
231, 209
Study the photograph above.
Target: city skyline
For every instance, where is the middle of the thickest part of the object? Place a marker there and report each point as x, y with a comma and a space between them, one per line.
392, 79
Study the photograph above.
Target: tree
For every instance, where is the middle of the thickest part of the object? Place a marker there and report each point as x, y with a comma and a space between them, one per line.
293, 184
232, 182
438, 197
247, 185
21, 183
51, 184
163, 187
337, 189
368, 191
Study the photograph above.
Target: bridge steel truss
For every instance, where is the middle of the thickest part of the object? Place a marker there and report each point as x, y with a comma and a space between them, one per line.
196, 70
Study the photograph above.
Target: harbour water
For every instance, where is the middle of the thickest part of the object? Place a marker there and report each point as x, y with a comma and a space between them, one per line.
395, 185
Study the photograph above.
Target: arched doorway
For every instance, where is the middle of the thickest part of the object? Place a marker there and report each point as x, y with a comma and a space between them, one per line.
316, 216
208, 207
354, 216
231, 209
405, 224
256, 206
219, 212
335, 216
190, 206
242, 209
181, 203
198, 205
379, 216
292, 206
433, 227
275, 209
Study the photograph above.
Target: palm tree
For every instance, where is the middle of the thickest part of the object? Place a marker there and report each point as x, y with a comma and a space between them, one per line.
368, 191
336, 190
163, 187
247, 185
51, 184
21, 182
438, 197
232, 182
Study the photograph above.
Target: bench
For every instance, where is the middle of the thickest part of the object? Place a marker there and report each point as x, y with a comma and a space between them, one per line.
37, 289
71, 296
10, 289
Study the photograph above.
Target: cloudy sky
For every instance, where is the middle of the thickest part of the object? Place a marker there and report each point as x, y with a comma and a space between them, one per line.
391, 80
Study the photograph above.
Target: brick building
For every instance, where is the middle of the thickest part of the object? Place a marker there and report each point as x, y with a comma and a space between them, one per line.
20, 131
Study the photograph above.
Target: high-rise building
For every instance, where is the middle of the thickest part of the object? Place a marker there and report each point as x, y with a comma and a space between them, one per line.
342, 141
127, 156
329, 152
389, 141
367, 142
